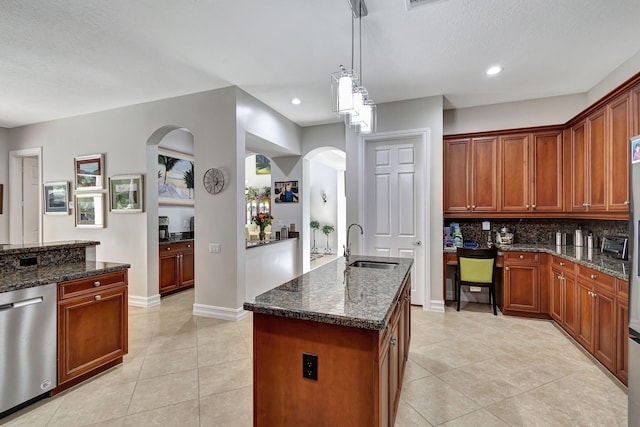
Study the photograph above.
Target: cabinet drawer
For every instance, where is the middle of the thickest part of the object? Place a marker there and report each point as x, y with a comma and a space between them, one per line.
175, 247
91, 284
521, 256
602, 280
563, 264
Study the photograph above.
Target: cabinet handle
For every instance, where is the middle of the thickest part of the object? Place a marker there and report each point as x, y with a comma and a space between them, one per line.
593, 276
98, 297
521, 256
394, 340
96, 283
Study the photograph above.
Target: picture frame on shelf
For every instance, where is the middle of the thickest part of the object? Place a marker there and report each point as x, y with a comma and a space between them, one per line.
56, 198
89, 172
176, 178
89, 210
126, 193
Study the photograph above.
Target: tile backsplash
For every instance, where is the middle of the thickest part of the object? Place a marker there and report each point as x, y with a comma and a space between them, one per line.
538, 230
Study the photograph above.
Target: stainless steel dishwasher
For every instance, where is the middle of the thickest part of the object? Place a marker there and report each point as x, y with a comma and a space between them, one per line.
27, 344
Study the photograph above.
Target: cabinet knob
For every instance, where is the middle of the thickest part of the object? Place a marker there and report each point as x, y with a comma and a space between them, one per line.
521, 256
533, 206
168, 249
98, 297
96, 283
394, 340
506, 268
559, 277
526, 206
188, 246
593, 276
473, 206
626, 202
561, 263
468, 206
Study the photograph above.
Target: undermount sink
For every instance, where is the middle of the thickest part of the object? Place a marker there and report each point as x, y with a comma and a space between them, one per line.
374, 264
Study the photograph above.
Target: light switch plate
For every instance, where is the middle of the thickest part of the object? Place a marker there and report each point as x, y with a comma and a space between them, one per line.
214, 248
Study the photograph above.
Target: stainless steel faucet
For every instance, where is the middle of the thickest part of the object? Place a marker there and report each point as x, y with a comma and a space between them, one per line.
347, 249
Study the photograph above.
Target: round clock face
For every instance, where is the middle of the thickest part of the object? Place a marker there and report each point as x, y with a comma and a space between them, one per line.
213, 180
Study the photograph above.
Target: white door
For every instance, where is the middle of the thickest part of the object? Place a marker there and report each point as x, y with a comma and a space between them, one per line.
394, 219
30, 200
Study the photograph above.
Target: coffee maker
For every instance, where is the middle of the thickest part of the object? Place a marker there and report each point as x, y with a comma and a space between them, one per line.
163, 224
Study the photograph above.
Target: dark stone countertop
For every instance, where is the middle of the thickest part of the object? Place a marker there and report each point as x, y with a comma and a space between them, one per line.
173, 242
354, 297
6, 249
257, 244
580, 255
36, 276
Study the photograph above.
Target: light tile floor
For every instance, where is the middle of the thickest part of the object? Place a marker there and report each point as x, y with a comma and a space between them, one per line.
465, 369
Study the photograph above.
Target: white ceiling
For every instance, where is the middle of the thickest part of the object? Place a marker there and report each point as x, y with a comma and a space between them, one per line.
62, 58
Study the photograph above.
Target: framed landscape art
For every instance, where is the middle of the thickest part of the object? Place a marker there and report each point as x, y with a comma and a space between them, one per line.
175, 178
89, 210
126, 194
56, 198
89, 172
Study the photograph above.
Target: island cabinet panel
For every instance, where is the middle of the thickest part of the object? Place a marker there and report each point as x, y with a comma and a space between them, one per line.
92, 326
620, 121
471, 175
359, 371
622, 330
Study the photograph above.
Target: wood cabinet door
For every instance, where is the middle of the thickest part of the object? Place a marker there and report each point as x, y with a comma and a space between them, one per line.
92, 331
169, 270
570, 305
597, 171
556, 291
522, 288
187, 267
635, 112
457, 174
579, 162
622, 340
484, 179
383, 384
584, 332
605, 332
546, 172
619, 154
514, 165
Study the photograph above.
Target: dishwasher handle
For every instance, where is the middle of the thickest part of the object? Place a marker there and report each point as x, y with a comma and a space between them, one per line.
22, 303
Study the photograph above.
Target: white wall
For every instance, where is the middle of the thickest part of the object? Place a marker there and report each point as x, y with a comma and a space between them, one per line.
250, 176
324, 178
4, 179
422, 113
614, 79
270, 265
510, 115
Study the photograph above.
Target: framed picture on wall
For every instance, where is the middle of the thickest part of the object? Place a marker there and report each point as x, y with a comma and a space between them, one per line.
56, 198
126, 194
263, 165
175, 178
285, 191
89, 209
89, 172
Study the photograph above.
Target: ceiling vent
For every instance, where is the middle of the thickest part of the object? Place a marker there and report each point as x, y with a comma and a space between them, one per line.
412, 4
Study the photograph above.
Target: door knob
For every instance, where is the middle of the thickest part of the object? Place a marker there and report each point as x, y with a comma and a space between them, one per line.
418, 242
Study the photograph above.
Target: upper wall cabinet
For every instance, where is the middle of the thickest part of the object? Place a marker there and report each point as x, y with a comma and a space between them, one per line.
471, 175
620, 125
531, 167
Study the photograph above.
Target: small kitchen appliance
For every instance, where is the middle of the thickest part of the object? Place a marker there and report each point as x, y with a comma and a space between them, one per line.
615, 246
163, 225
505, 236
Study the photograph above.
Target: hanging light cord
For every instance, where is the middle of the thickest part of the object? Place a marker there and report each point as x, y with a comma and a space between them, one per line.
360, 42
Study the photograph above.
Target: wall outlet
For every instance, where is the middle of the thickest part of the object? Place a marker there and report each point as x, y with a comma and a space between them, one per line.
215, 248
310, 366
486, 226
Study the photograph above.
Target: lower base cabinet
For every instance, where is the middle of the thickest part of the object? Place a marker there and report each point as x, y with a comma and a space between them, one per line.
92, 326
359, 374
176, 267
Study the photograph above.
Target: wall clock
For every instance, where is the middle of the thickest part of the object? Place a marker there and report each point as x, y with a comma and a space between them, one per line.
213, 180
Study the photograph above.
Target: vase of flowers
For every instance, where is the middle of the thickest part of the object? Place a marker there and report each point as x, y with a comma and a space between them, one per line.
262, 219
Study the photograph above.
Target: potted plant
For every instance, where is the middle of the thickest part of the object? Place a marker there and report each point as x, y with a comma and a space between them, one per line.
328, 229
315, 225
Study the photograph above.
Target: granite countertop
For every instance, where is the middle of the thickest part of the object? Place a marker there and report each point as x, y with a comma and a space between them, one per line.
580, 255
172, 242
6, 249
256, 243
332, 293
36, 276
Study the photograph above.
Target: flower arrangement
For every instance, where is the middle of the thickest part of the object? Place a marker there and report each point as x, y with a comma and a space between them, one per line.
262, 219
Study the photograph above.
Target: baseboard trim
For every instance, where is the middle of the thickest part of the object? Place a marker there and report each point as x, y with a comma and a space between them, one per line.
436, 305
144, 302
223, 313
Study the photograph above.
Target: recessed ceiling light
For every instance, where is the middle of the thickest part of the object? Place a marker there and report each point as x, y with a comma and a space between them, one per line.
494, 70
296, 101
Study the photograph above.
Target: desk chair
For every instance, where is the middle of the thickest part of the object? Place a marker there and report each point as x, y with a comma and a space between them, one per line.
477, 267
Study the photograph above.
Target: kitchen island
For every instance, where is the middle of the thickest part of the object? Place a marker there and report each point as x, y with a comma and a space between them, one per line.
330, 346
